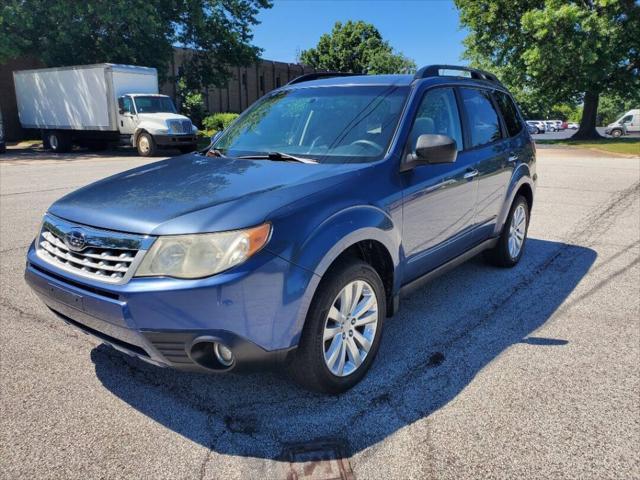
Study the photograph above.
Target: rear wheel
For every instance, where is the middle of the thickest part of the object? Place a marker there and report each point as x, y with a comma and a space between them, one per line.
342, 331
57, 141
146, 145
510, 246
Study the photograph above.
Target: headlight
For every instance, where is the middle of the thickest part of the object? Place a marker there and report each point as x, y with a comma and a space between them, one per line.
202, 255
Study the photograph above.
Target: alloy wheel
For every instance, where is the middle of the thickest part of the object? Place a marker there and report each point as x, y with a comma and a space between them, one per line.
350, 328
517, 231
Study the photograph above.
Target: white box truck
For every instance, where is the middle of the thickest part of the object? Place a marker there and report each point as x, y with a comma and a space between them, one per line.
94, 105
627, 123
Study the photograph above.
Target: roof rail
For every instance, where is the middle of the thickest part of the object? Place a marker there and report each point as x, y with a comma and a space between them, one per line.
307, 77
434, 71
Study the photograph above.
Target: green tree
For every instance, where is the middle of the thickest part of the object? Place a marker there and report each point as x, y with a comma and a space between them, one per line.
142, 32
356, 47
557, 51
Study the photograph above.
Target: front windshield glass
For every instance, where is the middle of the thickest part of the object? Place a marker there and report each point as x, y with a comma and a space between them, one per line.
327, 124
153, 104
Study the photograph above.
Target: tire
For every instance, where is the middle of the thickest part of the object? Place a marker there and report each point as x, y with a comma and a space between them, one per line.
537, 130
309, 365
146, 145
57, 141
502, 255
616, 133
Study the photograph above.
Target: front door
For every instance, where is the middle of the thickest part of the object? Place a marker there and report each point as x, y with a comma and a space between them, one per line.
126, 115
438, 200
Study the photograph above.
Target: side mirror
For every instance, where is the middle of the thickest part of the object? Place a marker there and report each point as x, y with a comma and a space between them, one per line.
432, 149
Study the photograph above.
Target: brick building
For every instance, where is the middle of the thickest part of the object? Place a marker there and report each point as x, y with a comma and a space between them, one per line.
245, 86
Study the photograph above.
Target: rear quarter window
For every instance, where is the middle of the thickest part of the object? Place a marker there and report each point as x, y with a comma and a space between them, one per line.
509, 113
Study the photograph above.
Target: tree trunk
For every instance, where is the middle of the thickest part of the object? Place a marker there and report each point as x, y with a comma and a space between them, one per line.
587, 130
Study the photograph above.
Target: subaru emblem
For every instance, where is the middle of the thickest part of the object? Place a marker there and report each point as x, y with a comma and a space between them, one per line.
75, 240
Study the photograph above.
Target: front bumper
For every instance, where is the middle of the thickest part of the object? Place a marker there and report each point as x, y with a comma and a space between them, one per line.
254, 309
175, 140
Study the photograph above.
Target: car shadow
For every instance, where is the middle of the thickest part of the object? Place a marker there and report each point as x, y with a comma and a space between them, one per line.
442, 337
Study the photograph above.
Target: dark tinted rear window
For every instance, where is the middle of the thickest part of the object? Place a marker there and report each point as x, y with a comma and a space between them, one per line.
509, 113
484, 124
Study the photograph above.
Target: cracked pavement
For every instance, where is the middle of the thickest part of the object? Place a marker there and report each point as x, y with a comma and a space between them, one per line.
532, 372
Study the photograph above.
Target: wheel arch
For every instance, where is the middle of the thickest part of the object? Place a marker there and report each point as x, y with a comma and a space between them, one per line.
365, 232
521, 183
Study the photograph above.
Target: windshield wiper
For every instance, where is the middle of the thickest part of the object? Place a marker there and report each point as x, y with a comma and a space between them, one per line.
278, 157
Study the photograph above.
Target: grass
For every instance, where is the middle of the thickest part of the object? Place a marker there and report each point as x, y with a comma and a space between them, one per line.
629, 146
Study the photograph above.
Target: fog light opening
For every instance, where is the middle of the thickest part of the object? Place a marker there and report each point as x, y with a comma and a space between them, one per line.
223, 354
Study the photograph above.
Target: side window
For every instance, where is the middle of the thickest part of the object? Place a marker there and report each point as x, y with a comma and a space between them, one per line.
509, 113
484, 124
127, 105
437, 113
627, 119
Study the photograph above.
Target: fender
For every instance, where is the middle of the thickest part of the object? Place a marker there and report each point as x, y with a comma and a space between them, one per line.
335, 235
521, 176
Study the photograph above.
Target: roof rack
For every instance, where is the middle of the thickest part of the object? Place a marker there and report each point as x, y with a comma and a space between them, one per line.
434, 71
307, 77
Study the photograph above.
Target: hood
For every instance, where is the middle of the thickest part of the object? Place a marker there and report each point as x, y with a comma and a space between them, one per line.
196, 194
162, 116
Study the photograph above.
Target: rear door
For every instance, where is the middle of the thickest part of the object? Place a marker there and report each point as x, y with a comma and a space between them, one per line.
490, 149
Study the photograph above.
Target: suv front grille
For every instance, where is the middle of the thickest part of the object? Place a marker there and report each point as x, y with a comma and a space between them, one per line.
100, 262
101, 255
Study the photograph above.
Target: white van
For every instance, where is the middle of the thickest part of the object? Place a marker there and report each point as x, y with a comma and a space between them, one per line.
627, 123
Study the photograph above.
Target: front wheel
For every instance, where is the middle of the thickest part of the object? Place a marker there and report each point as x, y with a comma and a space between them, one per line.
616, 133
343, 329
146, 145
510, 246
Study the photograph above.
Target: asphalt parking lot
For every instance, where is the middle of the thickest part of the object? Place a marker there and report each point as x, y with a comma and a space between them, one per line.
528, 373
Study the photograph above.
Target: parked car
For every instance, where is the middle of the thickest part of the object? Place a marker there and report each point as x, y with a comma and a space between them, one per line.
627, 123
572, 126
539, 125
558, 124
294, 237
94, 105
551, 126
3, 145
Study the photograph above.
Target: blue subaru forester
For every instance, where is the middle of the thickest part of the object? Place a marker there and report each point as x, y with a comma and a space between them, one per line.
294, 235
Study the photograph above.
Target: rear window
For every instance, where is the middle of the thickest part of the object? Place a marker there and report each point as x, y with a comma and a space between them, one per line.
483, 120
509, 113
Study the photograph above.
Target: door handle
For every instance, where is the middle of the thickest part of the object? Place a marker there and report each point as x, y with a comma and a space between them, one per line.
512, 157
471, 173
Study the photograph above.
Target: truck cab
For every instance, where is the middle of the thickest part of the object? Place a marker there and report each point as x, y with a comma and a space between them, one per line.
150, 121
627, 123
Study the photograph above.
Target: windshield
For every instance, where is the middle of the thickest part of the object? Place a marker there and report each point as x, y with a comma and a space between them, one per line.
154, 104
327, 124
